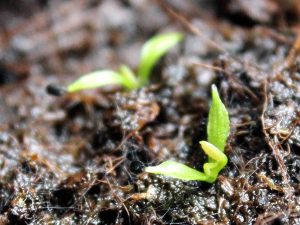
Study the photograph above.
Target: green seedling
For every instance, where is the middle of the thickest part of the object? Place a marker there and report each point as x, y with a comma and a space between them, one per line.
217, 131
151, 53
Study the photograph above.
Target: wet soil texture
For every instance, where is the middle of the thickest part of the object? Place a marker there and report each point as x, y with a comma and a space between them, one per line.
79, 158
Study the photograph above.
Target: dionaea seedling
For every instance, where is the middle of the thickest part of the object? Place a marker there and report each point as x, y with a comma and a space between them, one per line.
151, 53
217, 131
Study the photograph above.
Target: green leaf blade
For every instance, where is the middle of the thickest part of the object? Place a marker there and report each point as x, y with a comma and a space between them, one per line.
218, 126
177, 170
213, 152
153, 50
218, 160
96, 79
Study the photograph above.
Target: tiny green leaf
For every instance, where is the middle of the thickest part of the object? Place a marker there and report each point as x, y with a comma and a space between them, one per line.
153, 50
213, 152
218, 160
177, 170
130, 80
96, 79
218, 122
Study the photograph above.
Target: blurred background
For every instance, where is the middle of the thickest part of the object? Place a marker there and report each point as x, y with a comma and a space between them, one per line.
58, 37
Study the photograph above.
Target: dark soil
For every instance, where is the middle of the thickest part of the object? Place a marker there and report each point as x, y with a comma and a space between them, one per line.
79, 159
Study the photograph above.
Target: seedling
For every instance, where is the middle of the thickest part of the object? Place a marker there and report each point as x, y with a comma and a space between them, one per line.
217, 131
151, 53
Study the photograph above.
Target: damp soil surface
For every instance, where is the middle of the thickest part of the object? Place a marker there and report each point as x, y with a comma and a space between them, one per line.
79, 158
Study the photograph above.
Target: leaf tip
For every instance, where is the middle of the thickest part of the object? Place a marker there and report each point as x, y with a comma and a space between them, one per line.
215, 93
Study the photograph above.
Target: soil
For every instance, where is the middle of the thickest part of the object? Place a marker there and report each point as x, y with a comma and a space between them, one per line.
79, 158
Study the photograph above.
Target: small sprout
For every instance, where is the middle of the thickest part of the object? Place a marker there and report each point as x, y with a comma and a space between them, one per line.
152, 51
218, 124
